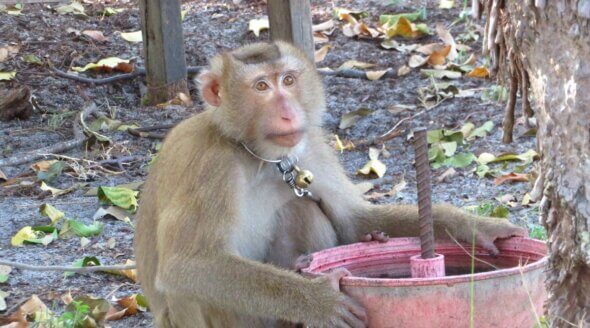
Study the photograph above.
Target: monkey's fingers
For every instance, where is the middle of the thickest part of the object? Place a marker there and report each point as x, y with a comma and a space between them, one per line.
303, 262
335, 275
488, 244
379, 236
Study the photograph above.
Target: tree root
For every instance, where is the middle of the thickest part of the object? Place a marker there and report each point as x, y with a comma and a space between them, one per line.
501, 42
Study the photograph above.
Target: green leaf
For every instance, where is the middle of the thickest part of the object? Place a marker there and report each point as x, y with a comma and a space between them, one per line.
537, 231
449, 148
436, 154
51, 212
35, 235
460, 160
481, 131
391, 20
4, 273
500, 211
7, 76
52, 172
434, 136
83, 262
122, 197
80, 229
32, 59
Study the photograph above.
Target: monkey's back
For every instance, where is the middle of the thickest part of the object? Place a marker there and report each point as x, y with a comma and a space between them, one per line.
184, 165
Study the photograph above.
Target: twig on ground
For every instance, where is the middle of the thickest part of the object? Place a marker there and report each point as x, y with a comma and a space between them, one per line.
79, 139
392, 133
118, 163
149, 135
65, 268
346, 73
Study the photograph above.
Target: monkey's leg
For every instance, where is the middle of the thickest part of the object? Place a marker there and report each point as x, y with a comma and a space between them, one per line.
302, 229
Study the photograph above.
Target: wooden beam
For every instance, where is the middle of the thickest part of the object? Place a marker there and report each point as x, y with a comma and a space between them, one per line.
290, 20
163, 46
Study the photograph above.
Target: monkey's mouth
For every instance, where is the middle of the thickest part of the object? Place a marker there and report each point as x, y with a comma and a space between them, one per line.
286, 139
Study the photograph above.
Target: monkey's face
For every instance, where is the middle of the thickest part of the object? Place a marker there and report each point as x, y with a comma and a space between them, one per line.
265, 94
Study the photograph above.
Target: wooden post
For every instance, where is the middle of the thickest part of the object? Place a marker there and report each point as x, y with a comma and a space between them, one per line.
290, 20
163, 46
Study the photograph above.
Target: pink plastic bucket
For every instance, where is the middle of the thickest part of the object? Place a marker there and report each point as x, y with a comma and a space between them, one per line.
509, 290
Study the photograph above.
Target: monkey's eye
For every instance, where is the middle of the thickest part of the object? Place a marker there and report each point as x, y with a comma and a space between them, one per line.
288, 80
261, 86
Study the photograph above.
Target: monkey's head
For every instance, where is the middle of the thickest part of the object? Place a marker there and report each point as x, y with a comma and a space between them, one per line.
267, 95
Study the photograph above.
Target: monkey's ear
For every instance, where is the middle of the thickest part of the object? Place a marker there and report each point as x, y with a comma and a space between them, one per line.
209, 87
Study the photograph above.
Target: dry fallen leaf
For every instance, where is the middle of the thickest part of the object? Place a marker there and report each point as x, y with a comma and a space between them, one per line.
8, 52
417, 61
132, 273
133, 37
342, 146
481, 72
447, 175
511, 177
355, 64
3, 176
95, 35
321, 53
438, 57
392, 192
403, 28
404, 70
374, 165
448, 39
257, 25
376, 75
324, 26
108, 65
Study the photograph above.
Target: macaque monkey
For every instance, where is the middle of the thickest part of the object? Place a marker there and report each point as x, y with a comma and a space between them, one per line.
218, 227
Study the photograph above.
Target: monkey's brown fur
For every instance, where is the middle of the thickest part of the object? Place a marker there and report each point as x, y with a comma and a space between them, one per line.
213, 218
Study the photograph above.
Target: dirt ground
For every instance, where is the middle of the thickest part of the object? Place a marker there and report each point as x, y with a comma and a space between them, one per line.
209, 27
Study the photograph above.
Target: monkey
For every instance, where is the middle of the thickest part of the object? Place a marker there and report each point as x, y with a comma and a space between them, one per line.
221, 222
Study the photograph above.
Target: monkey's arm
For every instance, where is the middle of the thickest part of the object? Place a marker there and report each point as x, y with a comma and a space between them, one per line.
250, 287
449, 221
353, 217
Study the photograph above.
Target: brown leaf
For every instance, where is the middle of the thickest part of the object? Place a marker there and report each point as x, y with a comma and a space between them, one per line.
511, 177
95, 35
131, 274
3, 176
42, 166
481, 72
448, 39
114, 314
438, 57
130, 303
321, 53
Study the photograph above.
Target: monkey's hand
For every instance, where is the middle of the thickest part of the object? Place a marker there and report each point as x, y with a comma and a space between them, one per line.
485, 230
375, 235
347, 313
302, 262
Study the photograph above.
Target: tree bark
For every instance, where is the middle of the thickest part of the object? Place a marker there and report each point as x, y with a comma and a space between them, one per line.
551, 41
